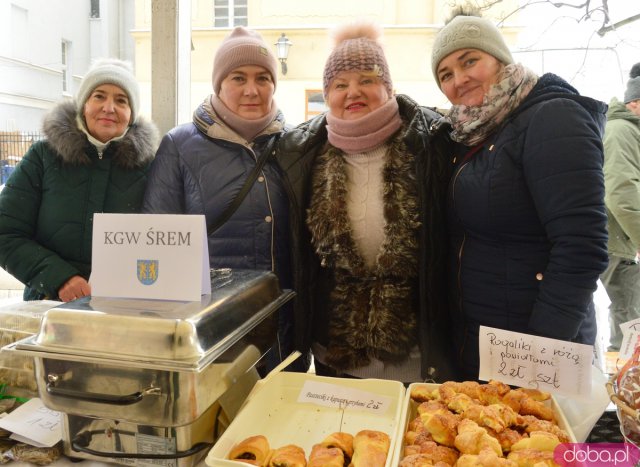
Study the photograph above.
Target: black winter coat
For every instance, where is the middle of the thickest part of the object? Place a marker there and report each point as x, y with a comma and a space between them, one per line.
427, 139
527, 223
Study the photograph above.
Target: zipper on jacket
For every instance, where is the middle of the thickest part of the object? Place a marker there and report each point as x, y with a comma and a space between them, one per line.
100, 152
273, 217
459, 256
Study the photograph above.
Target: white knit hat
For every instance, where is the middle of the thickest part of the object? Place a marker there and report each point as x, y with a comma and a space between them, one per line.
110, 71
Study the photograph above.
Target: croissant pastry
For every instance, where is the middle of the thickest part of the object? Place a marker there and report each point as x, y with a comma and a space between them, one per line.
370, 449
254, 450
322, 456
288, 456
342, 441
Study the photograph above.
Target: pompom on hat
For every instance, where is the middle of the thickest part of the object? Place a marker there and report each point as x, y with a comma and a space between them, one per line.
242, 47
633, 85
466, 29
110, 71
357, 48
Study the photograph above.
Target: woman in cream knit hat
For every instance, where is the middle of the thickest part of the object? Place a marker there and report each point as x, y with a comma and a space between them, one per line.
527, 223
368, 180
94, 158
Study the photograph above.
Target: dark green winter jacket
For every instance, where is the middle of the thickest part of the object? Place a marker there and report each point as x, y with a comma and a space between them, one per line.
47, 205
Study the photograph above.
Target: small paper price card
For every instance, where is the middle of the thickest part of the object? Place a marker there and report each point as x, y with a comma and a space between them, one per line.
34, 424
331, 395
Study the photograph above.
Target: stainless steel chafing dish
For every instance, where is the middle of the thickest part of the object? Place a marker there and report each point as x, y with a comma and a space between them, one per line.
138, 381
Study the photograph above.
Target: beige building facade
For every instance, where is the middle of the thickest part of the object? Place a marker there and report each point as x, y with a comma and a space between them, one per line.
409, 27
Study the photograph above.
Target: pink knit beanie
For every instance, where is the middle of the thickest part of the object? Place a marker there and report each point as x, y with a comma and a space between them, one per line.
242, 47
357, 49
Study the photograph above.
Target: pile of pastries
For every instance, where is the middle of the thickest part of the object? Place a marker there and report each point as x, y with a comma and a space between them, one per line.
368, 448
481, 425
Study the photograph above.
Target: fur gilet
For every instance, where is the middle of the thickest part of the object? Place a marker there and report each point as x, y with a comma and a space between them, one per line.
373, 311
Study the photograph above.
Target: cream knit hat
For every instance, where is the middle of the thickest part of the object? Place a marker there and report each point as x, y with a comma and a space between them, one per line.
467, 30
110, 71
242, 47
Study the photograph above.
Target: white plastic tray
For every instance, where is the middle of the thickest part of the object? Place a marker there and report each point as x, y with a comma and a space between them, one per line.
410, 411
273, 410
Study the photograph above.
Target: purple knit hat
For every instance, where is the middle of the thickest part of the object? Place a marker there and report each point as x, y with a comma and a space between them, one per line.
357, 48
242, 47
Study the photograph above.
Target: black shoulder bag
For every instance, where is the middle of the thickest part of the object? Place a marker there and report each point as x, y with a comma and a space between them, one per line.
224, 217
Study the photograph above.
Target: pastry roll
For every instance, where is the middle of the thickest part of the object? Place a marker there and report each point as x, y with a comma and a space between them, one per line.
288, 456
254, 450
370, 449
322, 456
342, 441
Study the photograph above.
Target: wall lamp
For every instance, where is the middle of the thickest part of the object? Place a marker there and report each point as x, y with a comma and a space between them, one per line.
282, 51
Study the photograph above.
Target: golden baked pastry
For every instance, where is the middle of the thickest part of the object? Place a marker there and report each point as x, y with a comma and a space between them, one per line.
507, 437
531, 424
437, 453
254, 450
288, 456
370, 449
322, 456
472, 439
532, 457
417, 460
439, 422
484, 424
342, 441
540, 440
485, 458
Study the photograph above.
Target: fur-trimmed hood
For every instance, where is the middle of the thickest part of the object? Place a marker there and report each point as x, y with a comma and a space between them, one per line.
135, 150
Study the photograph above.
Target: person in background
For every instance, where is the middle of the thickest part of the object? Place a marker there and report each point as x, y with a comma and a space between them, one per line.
201, 166
622, 197
526, 215
368, 181
94, 158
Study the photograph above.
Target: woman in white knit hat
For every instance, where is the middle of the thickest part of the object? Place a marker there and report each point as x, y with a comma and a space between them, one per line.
94, 158
527, 223
201, 166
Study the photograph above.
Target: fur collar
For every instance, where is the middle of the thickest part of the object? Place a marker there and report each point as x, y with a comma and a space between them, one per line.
373, 312
135, 150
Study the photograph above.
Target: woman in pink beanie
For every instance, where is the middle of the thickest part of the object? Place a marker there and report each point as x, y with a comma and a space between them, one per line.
368, 181
201, 166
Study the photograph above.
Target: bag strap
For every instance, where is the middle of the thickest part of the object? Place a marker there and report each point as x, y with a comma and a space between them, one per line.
226, 215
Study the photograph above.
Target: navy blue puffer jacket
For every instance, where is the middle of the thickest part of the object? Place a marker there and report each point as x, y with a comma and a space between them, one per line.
200, 170
527, 223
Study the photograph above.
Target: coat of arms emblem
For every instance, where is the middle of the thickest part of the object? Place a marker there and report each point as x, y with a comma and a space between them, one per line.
147, 271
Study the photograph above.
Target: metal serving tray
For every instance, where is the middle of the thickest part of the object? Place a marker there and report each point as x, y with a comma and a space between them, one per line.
160, 363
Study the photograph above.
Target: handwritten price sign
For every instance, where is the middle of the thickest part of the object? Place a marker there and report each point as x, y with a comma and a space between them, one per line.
535, 362
34, 424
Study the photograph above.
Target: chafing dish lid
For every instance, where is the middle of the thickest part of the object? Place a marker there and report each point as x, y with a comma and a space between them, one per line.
162, 330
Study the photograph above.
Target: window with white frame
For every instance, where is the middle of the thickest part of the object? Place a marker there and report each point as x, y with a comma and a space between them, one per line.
229, 13
95, 9
64, 66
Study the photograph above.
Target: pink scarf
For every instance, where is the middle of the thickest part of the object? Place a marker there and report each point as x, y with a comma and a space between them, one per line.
367, 132
244, 127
